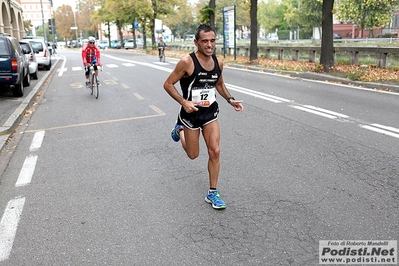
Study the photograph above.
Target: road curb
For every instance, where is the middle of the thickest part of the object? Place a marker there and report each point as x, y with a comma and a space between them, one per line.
321, 77
13, 121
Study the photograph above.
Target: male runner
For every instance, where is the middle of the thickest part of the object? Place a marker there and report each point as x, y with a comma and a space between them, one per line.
200, 76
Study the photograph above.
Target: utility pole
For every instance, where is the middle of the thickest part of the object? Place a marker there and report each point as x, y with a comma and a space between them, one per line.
44, 30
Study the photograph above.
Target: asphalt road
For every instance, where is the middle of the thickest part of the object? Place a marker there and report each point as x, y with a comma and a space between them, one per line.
88, 181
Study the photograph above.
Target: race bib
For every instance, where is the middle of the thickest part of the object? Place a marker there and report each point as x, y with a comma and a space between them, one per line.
204, 96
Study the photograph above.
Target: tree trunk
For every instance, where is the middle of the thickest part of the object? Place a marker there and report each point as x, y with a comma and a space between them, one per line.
212, 5
327, 44
253, 50
134, 35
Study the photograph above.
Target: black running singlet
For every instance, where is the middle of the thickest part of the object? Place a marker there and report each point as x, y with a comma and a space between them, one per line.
200, 87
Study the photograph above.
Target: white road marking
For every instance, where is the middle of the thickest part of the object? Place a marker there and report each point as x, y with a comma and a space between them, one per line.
62, 68
128, 64
77, 68
8, 226
138, 96
257, 94
112, 65
313, 111
326, 111
378, 128
37, 141
25, 176
386, 127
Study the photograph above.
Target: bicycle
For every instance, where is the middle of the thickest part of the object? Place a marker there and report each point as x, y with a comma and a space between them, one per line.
93, 80
161, 54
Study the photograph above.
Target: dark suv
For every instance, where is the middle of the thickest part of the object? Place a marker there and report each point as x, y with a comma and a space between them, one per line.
14, 67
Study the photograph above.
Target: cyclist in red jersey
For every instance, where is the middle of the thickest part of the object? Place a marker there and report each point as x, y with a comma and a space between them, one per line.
91, 55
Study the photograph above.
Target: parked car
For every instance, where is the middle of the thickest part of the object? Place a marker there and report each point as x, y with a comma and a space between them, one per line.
337, 36
103, 44
43, 55
139, 42
273, 37
74, 44
116, 44
14, 66
31, 57
129, 44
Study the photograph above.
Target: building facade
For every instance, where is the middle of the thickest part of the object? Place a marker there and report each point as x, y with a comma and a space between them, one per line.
32, 11
11, 19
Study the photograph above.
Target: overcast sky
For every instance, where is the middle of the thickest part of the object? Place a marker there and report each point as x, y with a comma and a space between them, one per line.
58, 3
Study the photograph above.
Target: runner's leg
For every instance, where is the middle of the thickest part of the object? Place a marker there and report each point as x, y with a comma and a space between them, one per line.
211, 134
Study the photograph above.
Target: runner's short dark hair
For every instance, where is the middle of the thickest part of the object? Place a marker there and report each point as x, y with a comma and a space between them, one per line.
205, 27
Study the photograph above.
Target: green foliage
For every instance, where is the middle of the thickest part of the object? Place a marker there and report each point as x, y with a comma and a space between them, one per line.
367, 13
181, 21
290, 14
205, 13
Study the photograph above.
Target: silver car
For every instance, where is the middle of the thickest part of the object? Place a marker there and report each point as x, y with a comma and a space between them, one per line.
129, 44
43, 55
31, 57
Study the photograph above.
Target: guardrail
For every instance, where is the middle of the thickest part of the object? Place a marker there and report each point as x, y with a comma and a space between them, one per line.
381, 53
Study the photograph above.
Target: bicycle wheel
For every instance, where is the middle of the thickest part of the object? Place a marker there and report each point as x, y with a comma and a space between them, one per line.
92, 83
163, 58
95, 86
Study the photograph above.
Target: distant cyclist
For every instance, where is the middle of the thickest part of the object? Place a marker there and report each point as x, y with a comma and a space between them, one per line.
161, 45
91, 55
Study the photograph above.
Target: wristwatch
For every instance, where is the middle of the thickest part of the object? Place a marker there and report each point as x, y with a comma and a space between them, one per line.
230, 98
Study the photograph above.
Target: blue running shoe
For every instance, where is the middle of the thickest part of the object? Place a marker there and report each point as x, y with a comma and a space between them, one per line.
214, 198
175, 132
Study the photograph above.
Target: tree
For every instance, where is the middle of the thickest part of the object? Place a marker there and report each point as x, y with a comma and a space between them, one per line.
269, 15
182, 20
311, 14
367, 13
84, 18
327, 46
159, 8
64, 19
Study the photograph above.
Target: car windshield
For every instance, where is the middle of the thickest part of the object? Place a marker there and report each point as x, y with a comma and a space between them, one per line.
37, 46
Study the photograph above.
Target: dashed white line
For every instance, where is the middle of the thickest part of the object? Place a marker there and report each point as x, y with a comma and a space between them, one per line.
25, 176
112, 65
128, 64
8, 226
37, 141
77, 68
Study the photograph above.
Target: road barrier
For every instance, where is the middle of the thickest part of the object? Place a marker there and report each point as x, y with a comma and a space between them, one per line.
381, 54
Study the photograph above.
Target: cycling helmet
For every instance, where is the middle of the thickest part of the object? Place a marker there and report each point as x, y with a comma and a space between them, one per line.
94, 61
91, 39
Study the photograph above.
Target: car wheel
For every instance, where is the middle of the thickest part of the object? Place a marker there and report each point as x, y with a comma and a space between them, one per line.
49, 66
18, 90
34, 75
27, 80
